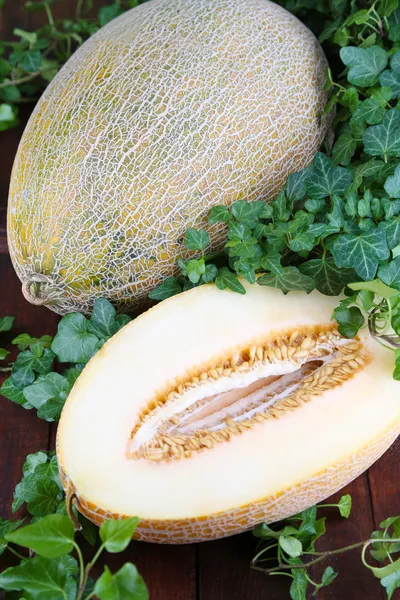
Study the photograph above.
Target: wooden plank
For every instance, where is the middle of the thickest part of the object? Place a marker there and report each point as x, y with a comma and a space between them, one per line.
354, 580
21, 432
384, 480
225, 574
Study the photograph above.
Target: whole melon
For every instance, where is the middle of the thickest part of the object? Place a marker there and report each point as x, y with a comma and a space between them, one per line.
172, 108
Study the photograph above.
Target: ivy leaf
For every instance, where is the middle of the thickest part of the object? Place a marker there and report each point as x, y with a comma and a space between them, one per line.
170, 287
7, 527
50, 537
389, 273
298, 588
391, 583
48, 395
40, 578
329, 278
392, 184
271, 261
295, 187
350, 320
391, 79
361, 252
247, 213
210, 273
365, 65
116, 534
13, 393
289, 279
40, 486
108, 13
73, 342
369, 111
125, 584
197, 239
195, 268
26, 364
302, 241
384, 139
328, 576
227, 279
6, 323
344, 506
344, 149
327, 180
103, 321
219, 214
291, 545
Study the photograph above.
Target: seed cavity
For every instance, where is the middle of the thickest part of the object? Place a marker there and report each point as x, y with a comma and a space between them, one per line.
243, 389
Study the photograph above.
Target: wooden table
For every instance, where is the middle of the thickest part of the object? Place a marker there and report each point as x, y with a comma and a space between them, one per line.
209, 571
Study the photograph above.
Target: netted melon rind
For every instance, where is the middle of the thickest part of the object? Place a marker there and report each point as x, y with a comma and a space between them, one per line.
172, 108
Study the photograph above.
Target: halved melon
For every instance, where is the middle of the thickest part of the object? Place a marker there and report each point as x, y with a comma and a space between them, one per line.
214, 411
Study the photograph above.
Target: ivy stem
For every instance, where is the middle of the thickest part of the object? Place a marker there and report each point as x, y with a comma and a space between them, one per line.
49, 14
82, 570
85, 574
78, 10
20, 556
324, 555
24, 79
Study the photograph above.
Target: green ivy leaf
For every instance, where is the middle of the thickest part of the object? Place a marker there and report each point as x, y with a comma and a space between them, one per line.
219, 214
26, 364
7, 527
108, 13
40, 486
210, 273
365, 65
295, 187
73, 342
6, 323
289, 279
361, 252
125, 584
50, 537
384, 140
389, 273
350, 320
328, 576
392, 184
103, 321
13, 393
344, 506
117, 534
391, 583
247, 213
291, 545
369, 111
170, 287
344, 149
41, 578
227, 279
327, 180
329, 278
391, 79
298, 588
48, 395
197, 239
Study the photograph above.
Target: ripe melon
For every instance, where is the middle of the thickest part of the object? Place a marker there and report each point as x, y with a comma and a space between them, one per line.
173, 107
214, 411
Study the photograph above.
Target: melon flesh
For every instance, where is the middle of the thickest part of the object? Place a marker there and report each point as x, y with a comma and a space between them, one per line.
157, 380
170, 109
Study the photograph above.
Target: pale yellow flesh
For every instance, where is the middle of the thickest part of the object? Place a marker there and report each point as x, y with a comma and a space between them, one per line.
267, 461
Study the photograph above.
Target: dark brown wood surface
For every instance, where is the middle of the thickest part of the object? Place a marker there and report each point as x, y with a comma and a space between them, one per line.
209, 571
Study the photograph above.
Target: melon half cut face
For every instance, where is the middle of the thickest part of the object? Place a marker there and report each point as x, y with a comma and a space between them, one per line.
213, 411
